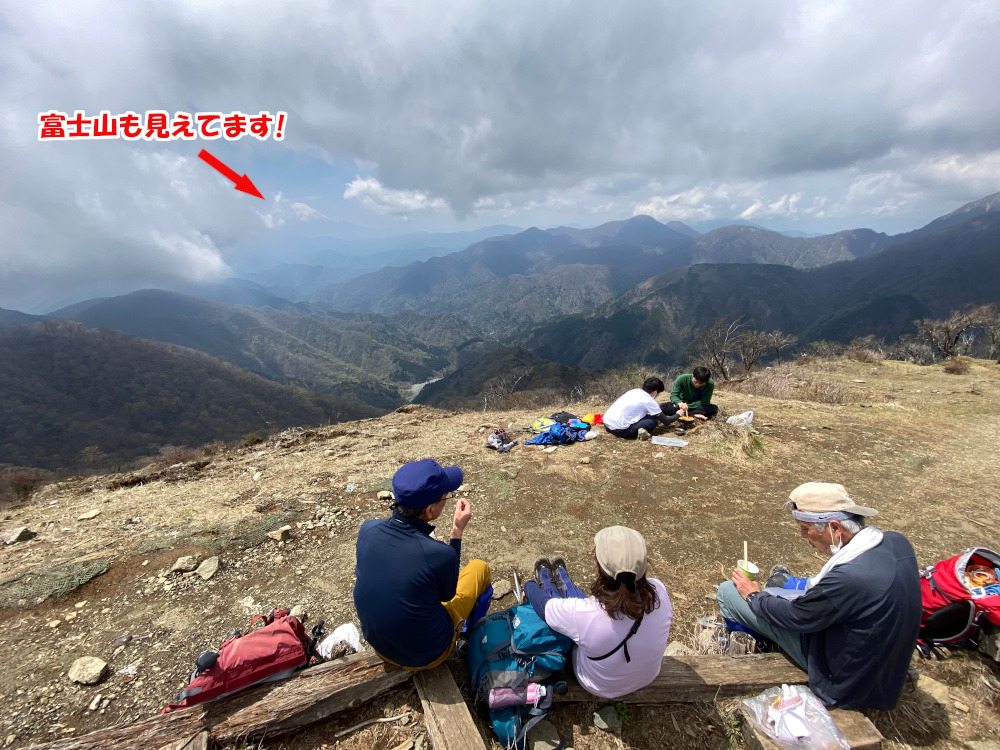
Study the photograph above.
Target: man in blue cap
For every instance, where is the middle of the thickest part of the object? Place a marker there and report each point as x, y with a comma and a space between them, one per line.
411, 597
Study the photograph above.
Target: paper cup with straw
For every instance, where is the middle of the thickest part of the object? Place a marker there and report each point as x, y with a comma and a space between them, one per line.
745, 565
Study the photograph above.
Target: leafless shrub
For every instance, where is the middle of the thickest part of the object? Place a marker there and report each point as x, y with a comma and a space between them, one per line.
771, 384
869, 349
957, 365
610, 385
18, 484
824, 349
911, 349
174, 454
497, 391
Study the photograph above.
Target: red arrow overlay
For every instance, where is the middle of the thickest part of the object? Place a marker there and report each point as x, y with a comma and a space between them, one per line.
243, 183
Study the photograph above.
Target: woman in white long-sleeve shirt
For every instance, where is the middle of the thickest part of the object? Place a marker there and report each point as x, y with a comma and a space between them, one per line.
621, 629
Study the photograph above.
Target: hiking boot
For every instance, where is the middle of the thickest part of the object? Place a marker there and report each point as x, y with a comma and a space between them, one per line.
778, 578
542, 564
643, 434
557, 580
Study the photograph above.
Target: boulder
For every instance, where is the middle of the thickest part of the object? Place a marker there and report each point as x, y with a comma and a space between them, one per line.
13, 536
208, 568
676, 648
299, 612
501, 589
543, 736
88, 670
185, 564
606, 718
281, 535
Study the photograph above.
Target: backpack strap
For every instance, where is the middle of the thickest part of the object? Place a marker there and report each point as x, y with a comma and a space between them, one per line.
623, 644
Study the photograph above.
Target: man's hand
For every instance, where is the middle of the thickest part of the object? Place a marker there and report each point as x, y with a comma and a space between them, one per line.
463, 514
682, 408
743, 584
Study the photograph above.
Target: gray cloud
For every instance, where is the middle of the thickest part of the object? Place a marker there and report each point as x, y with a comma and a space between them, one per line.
841, 113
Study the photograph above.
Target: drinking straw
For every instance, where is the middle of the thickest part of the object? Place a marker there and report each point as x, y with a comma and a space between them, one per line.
746, 557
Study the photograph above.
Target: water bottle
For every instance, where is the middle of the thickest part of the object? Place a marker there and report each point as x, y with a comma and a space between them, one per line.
527, 695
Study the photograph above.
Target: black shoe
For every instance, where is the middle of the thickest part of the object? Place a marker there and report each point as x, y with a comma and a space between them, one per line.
461, 648
778, 578
542, 564
557, 580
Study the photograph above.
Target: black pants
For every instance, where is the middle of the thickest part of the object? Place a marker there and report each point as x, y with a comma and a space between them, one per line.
647, 423
709, 410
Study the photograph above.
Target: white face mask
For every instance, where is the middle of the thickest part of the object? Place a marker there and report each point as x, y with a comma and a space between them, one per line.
836, 547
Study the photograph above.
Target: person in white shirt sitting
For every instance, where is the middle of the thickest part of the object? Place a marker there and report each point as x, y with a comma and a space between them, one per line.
636, 414
621, 629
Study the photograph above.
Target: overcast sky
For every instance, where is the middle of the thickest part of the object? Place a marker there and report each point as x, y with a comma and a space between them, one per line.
815, 116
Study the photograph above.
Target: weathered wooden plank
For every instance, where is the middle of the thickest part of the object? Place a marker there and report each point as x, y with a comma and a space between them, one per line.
859, 732
273, 709
702, 678
446, 715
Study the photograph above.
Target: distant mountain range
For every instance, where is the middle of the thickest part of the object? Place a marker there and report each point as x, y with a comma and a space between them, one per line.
940, 268
549, 301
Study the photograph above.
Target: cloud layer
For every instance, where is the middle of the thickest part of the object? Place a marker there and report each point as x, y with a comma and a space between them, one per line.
805, 115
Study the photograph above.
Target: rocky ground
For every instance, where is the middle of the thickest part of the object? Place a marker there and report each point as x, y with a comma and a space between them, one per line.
917, 444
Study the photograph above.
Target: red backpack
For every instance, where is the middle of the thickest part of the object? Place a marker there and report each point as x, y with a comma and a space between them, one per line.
957, 595
271, 652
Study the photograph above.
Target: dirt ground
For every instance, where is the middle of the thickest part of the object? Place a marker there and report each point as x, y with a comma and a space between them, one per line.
917, 444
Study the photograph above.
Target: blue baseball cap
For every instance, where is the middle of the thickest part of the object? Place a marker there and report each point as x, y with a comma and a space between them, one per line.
422, 483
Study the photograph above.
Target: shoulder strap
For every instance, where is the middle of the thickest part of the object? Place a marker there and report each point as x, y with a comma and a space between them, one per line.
623, 644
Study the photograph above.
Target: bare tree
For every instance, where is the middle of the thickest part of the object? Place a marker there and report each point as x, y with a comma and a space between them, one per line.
498, 390
718, 341
751, 346
776, 341
948, 336
989, 324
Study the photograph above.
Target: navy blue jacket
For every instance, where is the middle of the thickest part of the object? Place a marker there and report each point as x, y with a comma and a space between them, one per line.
858, 625
403, 576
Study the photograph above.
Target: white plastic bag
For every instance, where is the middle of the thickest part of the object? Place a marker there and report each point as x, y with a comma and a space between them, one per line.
741, 420
346, 633
794, 717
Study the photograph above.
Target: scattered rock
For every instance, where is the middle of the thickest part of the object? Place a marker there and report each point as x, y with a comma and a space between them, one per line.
185, 564
543, 736
257, 475
208, 568
96, 703
385, 495
964, 708
501, 589
866, 405
299, 612
857, 381
11, 739
22, 534
585, 460
87, 670
90, 514
607, 719
933, 691
676, 648
54, 623
281, 535
463, 488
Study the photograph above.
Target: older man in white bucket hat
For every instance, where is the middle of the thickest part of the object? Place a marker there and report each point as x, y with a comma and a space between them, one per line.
853, 626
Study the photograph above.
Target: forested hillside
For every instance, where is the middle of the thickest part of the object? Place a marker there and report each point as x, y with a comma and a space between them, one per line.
64, 388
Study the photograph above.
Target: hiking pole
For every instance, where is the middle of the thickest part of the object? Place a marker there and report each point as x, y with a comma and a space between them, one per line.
517, 588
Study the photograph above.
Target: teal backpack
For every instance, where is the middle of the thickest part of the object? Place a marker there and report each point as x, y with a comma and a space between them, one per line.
510, 649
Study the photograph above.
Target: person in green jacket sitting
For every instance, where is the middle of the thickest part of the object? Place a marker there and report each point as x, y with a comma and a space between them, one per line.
692, 394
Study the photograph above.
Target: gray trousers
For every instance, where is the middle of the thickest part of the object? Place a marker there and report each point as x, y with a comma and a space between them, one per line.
734, 607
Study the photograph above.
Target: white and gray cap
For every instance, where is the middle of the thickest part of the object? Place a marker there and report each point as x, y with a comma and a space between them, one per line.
621, 550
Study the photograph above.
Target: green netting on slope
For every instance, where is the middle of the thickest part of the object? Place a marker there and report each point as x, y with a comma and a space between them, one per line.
34, 587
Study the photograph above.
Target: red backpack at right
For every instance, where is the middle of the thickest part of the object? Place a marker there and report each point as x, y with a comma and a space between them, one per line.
958, 594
